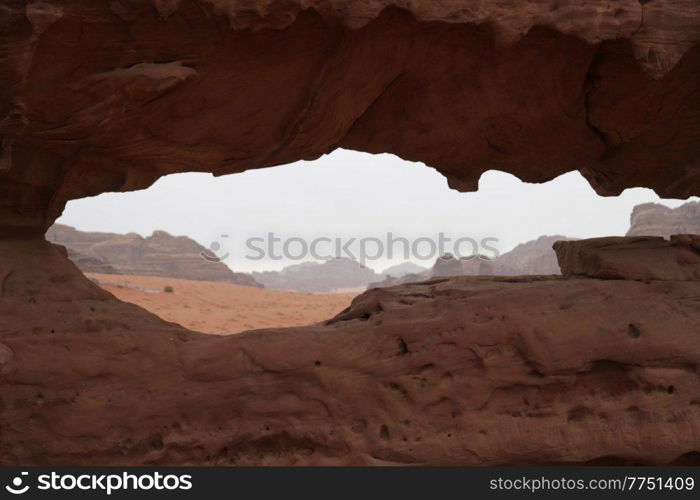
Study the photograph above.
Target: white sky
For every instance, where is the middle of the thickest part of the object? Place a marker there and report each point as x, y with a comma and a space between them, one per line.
348, 194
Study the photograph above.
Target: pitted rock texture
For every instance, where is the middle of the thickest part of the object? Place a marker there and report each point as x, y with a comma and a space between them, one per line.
102, 96
453, 371
652, 219
632, 258
7, 363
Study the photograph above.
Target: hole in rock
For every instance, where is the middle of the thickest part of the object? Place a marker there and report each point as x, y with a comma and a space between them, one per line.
384, 432
293, 245
633, 331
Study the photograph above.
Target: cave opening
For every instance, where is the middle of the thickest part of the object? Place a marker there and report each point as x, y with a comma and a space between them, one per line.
292, 245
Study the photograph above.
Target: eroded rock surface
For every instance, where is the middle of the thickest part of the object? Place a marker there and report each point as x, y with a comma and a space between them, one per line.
109, 96
102, 96
458, 371
632, 258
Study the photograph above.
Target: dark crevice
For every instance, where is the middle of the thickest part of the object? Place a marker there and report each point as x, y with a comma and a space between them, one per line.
403, 347
633, 331
590, 85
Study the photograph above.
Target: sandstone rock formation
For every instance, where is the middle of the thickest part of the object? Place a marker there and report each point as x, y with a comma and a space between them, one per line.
453, 371
535, 257
632, 258
160, 254
652, 219
318, 277
137, 89
102, 96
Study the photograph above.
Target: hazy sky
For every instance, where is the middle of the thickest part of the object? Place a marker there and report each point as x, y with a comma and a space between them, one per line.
352, 195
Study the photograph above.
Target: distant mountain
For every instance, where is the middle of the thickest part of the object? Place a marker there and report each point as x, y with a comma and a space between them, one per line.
406, 278
534, 257
403, 269
90, 264
538, 258
317, 277
161, 254
449, 265
652, 219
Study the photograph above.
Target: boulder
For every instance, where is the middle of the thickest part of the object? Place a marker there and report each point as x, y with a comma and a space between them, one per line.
632, 258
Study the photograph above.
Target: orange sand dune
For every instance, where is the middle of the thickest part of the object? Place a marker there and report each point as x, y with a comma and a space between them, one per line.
222, 308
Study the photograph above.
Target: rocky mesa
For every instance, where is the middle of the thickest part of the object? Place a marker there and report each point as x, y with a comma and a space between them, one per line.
160, 254
653, 219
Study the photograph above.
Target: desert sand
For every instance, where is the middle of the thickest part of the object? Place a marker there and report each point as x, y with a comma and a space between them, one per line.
222, 308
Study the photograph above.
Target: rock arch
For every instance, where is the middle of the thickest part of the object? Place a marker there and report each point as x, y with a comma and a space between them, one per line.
108, 96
